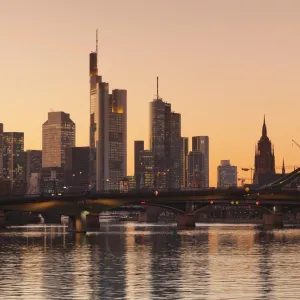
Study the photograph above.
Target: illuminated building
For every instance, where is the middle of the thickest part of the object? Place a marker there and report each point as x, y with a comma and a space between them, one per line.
108, 132
227, 174
138, 169
58, 134
131, 183
201, 143
264, 155
77, 169
147, 164
14, 160
1, 151
195, 169
165, 143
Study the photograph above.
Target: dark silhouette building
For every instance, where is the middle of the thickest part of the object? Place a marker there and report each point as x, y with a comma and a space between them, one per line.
264, 155
201, 143
1, 151
33, 163
77, 169
138, 167
195, 176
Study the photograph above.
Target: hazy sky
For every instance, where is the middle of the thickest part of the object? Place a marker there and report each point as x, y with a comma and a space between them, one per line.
222, 65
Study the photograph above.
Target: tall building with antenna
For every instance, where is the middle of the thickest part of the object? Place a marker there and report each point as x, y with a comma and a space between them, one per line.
165, 143
108, 131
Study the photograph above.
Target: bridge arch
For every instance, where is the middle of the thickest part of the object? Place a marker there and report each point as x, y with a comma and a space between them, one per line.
167, 208
204, 208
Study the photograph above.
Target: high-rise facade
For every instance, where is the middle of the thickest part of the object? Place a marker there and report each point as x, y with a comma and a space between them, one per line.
33, 164
160, 135
195, 174
176, 163
117, 146
14, 160
77, 169
138, 168
201, 143
227, 174
184, 159
108, 132
264, 155
165, 143
1, 151
147, 165
58, 134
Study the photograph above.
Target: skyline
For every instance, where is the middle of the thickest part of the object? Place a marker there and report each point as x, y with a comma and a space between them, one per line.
235, 66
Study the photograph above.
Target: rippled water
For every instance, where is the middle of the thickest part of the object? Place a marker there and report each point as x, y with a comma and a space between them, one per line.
132, 261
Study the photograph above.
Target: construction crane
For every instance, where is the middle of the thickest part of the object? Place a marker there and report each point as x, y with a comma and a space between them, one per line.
296, 143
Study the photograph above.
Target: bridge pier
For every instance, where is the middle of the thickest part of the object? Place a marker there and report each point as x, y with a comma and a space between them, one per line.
77, 223
150, 215
2, 220
186, 221
273, 221
51, 218
92, 221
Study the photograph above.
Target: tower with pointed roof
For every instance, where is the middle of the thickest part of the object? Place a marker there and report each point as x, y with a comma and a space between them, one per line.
283, 167
264, 155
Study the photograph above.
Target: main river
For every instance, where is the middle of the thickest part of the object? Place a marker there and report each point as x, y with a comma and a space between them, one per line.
133, 261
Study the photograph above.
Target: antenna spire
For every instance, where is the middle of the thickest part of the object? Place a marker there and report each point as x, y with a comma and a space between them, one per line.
97, 41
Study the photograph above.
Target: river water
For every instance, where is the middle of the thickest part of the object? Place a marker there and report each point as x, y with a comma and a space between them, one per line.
134, 261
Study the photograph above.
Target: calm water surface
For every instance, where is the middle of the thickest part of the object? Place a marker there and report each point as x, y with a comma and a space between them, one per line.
133, 261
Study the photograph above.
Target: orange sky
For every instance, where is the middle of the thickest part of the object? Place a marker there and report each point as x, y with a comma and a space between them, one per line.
222, 65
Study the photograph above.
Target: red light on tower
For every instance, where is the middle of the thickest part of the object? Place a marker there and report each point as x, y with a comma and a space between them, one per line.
257, 203
211, 202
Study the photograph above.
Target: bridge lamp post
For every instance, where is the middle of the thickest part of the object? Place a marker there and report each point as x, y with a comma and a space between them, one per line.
249, 169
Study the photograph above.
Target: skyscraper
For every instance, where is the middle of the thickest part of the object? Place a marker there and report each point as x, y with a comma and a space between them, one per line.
176, 163
1, 151
227, 174
117, 147
165, 135
13, 160
201, 143
264, 155
184, 159
108, 132
138, 168
58, 134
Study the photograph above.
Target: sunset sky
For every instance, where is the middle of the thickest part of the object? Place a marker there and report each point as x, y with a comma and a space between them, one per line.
222, 65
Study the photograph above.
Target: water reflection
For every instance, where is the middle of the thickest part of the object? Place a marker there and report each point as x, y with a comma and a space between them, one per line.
133, 261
